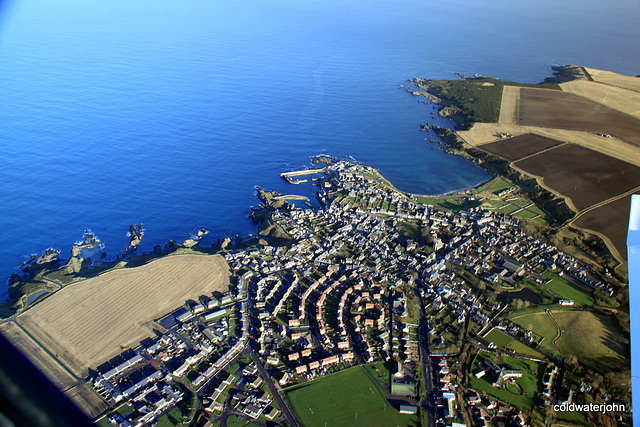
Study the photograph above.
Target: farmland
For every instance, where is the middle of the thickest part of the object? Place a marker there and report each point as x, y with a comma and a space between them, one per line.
615, 79
585, 176
581, 143
626, 101
485, 133
87, 400
88, 322
520, 146
39, 357
610, 220
557, 109
340, 398
509, 104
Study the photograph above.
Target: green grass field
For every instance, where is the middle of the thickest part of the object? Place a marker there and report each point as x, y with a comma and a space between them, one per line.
103, 422
568, 290
496, 204
234, 421
410, 231
508, 208
381, 370
338, 398
453, 203
579, 418
498, 337
593, 339
529, 211
124, 409
541, 324
524, 349
498, 185
535, 209
541, 220
535, 214
526, 214
174, 417
531, 371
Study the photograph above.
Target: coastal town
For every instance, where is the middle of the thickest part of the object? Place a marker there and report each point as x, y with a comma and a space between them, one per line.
438, 314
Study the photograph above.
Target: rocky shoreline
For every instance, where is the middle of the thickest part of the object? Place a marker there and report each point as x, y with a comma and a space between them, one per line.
46, 273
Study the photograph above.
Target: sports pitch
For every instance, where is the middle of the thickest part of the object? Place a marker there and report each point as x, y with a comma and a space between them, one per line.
346, 398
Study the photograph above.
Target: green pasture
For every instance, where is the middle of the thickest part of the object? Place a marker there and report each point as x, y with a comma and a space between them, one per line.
498, 337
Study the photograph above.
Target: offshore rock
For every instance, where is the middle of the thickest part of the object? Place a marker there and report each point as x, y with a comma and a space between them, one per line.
135, 236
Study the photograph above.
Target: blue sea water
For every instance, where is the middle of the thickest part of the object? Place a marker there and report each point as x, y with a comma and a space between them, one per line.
170, 112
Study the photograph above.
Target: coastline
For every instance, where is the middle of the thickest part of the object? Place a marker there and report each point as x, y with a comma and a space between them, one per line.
43, 281
48, 280
418, 241
502, 118
435, 91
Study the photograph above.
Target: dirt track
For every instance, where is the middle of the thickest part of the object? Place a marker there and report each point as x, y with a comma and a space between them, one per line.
88, 322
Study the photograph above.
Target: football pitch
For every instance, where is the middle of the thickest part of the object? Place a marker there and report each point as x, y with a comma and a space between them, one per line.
346, 398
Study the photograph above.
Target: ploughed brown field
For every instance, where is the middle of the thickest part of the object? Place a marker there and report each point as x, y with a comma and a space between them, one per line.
89, 322
520, 146
587, 177
556, 109
610, 220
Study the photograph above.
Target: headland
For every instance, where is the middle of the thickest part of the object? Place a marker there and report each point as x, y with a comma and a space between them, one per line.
569, 144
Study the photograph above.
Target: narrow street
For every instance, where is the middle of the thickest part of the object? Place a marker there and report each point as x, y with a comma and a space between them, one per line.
286, 412
426, 404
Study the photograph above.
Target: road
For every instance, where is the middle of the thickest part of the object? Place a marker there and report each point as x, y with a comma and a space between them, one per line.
426, 404
286, 412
